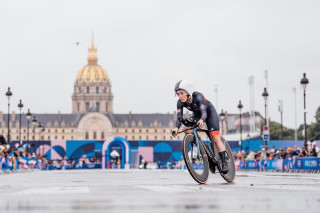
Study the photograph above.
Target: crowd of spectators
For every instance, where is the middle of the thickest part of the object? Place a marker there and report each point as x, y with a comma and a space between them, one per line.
14, 157
281, 153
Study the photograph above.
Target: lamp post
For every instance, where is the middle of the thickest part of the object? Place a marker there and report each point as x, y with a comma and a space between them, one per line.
265, 95
304, 81
34, 124
9, 94
281, 110
240, 106
222, 116
28, 115
20, 105
40, 129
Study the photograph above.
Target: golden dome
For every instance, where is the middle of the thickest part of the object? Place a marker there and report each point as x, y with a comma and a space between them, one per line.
92, 72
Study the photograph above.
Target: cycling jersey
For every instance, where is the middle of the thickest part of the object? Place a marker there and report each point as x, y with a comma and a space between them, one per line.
202, 109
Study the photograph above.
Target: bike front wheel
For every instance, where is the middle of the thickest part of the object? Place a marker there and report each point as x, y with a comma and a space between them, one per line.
196, 161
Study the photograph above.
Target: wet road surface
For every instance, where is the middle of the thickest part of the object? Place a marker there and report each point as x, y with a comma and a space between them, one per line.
157, 191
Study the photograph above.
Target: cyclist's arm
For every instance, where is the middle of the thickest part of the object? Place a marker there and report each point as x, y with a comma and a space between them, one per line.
202, 104
179, 113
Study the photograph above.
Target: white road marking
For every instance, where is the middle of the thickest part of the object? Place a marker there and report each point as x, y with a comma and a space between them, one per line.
54, 190
173, 188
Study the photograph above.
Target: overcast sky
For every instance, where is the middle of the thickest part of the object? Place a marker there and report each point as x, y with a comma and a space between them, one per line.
147, 46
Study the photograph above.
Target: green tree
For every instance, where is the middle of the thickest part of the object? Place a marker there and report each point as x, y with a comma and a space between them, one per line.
318, 115
275, 131
313, 130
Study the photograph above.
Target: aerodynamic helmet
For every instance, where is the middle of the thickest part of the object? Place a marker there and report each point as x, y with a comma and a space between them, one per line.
185, 85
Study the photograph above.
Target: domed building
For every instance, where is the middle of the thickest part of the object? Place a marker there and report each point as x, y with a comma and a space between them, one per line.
92, 88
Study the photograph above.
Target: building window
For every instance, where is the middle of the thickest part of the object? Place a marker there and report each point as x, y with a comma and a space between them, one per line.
24, 131
63, 130
62, 137
102, 135
48, 137
170, 137
133, 137
48, 130
139, 130
42, 137
155, 130
78, 106
17, 138
117, 130
87, 135
132, 130
94, 135
106, 107
147, 138
98, 107
79, 89
32, 137
87, 106
126, 131
71, 137
88, 89
56, 130
56, 137
155, 137
140, 137
126, 137
71, 130
164, 137
164, 131
97, 90
105, 90
24, 137
147, 130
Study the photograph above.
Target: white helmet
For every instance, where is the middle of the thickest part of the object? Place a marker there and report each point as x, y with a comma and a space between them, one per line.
185, 85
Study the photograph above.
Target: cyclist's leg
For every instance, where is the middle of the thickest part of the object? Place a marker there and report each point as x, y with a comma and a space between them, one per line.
213, 127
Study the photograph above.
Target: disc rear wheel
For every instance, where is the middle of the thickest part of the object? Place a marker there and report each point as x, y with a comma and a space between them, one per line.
231, 174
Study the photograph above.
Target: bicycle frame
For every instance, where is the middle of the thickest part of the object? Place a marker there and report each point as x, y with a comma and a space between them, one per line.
194, 131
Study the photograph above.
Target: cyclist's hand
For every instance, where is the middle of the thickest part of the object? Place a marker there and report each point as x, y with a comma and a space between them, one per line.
200, 123
175, 132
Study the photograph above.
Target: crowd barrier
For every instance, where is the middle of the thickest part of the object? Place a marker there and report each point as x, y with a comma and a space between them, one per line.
280, 164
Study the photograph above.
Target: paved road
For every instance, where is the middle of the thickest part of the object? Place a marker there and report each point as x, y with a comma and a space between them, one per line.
157, 191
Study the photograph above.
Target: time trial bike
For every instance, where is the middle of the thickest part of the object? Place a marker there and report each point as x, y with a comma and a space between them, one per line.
200, 157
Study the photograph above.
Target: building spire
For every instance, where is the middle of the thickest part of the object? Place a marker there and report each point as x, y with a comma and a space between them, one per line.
92, 58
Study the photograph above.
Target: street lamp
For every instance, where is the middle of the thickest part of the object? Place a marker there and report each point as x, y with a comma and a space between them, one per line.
9, 94
265, 95
304, 81
28, 115
20, 105
43, 130
222, 117
40, 129
34, 124
240, 106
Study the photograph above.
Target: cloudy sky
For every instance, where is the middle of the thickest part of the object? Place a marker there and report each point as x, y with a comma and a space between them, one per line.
147, 46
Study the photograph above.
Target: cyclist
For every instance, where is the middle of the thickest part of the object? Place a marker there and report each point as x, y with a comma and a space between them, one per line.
203, 112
